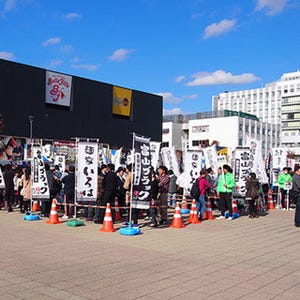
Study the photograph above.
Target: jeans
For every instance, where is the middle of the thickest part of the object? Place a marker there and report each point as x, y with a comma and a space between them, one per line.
200, 204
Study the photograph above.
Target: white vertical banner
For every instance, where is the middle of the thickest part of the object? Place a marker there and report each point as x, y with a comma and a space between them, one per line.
256, 160
241, 170
116, 158
129, 158
169, 159
154, 151
279, 158
192, 168
40, 187
211, 155
103, 155
2, 183
60, 161
87, 172
58, 88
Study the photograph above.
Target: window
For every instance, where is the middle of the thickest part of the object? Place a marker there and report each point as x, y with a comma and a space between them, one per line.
200, 142
165, 130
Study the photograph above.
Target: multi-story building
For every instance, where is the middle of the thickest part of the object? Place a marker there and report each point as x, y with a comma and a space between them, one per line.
271, 104
290, 120
227, 128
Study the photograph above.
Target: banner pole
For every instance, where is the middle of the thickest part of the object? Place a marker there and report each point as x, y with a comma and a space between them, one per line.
131, 181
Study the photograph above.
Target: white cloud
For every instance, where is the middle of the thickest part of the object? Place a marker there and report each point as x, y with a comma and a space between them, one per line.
172, 111
179, 78
55, 62
169, 98
120, 54
72, 16
87, 67
9, 5
272, 7
220, 28
221, 77
51, 41
192, 96
6, 55
67, 49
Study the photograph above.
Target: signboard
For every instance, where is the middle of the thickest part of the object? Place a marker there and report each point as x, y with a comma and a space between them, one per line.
58, 89
121, 101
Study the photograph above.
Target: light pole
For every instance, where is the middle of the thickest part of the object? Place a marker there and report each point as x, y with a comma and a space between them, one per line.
31, 118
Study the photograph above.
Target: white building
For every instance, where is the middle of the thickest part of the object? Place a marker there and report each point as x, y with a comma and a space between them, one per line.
228, 128
265, 103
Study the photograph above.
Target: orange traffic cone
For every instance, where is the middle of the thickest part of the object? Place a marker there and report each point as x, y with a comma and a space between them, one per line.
208, 211
53, 219
107, 223
270, 203
35, 206
177, 220
117, 210
193, 214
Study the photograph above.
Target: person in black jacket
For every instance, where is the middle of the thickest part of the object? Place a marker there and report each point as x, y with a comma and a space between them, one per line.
69, 190
110, 191
296, 188
8, 176
252, 192
154, 203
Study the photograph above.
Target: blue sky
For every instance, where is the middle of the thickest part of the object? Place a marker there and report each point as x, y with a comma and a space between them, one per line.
185, 50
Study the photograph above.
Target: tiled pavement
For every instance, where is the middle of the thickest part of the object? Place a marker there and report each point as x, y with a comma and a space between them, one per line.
219, 259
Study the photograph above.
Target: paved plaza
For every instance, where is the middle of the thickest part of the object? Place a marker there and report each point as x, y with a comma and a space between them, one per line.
219, 259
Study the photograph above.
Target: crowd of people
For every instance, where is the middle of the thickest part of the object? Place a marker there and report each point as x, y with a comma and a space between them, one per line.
166, 190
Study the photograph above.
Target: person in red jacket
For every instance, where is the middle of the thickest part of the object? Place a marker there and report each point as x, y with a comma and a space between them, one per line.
203, 187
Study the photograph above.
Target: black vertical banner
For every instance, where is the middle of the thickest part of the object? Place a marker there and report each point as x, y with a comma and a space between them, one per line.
141, 194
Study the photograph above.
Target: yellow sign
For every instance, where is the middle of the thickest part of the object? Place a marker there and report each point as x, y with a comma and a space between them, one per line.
223, 151
121, 101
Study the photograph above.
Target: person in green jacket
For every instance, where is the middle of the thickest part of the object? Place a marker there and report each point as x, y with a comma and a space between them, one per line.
226, 184
284, 178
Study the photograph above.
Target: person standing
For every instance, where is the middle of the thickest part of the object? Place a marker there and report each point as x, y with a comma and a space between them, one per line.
172, 189
296, 188
26, 183
226, 184
100, 192
8, 176
252, 192
154, 194
69, 191
163, 188
284, 178
204, 186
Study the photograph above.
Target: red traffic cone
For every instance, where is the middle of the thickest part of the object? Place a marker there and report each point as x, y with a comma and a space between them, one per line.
53, 219
270, 203
35, 206
193, 214
177, 220
107, 223
235, 213
117, 210
208, 211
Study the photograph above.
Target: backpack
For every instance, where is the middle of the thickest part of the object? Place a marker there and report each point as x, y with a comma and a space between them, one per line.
195, 191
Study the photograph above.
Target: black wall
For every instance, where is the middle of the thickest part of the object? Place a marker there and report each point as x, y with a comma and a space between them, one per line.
22, 93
